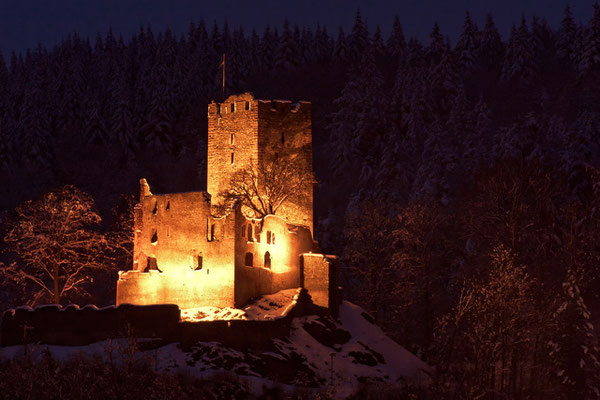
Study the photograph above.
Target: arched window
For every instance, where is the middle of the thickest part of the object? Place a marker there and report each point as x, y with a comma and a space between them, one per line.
267, 260
249, 260
250, 238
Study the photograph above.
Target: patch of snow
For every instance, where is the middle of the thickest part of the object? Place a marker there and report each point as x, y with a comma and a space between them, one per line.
269, 306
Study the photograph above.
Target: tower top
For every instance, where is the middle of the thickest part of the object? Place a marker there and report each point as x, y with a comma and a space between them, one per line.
246, 101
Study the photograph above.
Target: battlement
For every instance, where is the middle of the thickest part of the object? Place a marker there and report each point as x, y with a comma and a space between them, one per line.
245, 102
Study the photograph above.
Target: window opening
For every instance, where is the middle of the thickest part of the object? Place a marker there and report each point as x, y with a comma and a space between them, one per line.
282, 138
198, 263
249, 260
232, 157
154, 238
268, 237
151, 265
233, 107
218, 108
231, 140
250, 239
168, 206
243, 231
272, 238
212, 232
155, 209
267, 260
247, 105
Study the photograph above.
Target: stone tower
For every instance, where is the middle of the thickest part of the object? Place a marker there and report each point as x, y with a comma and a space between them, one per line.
244, 131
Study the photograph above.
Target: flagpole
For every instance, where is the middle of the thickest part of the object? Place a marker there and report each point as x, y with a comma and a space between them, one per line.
223, 63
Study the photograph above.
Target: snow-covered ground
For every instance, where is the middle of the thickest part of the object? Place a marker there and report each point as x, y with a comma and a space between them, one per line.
266, 307
319, 353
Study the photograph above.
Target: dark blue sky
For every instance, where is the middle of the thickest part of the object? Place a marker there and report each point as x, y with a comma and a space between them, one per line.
24, 23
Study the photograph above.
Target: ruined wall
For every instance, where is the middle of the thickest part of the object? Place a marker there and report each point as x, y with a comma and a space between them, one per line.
241, 121
320, 278
284, 242
183, 255
74, 326
286, 128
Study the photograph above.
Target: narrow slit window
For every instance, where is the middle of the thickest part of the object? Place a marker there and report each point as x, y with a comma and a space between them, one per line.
250, 233
212, 232
198, 263
231, 139
267, 260
243, 231
282, 138
232, 107
218, 108
247, 105
268, 237
232, 159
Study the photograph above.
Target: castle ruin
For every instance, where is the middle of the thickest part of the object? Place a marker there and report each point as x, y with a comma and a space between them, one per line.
187, 255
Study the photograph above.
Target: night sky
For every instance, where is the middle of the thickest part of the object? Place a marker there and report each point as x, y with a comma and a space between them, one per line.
25, 23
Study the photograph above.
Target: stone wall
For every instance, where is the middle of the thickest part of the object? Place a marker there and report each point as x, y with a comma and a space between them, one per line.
283, 242
223, 122
74, 326
320, 278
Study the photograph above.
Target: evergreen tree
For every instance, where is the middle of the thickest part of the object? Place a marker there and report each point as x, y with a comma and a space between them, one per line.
358, 40
491, 48
519, 64
288, 57
467, 45
396, 44
590, 57
340, 51
437, 46
565, 44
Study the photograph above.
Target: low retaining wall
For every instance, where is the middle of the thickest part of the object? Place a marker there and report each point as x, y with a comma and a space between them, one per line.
74, 326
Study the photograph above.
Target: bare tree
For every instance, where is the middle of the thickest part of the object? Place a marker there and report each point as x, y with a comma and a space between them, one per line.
265, 186
57, 242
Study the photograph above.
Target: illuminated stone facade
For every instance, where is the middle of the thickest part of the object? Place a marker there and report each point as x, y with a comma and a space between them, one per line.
185, 255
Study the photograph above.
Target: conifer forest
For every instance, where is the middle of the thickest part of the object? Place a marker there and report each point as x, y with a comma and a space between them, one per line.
459, 183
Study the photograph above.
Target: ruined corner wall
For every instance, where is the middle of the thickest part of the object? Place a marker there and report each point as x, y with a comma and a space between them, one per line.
284, 252
320, 277
183, 255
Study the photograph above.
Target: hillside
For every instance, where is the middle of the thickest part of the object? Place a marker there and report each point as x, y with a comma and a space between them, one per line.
360, 351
